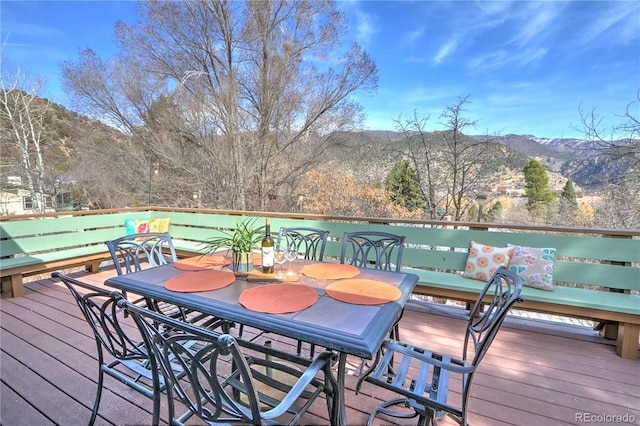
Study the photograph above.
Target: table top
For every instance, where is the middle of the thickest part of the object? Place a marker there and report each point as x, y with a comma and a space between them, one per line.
348, 328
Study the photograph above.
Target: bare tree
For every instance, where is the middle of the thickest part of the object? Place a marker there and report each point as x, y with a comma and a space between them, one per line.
22, 114
451, 166
421, 152
252, 92
618, 148
467, 159
617, 154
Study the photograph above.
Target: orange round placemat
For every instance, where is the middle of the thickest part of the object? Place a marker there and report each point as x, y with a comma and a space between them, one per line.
202, 263
278, 298
363, 291
188, 282
330, 271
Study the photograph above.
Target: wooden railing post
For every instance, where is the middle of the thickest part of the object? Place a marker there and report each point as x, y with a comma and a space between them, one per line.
612, 330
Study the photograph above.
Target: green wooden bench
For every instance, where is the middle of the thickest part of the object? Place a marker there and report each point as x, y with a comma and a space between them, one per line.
37, 244
596, 276
597, 272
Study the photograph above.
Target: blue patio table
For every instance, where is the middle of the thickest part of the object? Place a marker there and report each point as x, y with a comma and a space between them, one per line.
347, 328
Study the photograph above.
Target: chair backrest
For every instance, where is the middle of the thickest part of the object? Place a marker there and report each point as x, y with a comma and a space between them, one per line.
311, 242
377, 250
491, 308
210, 360
100, 310
129, 252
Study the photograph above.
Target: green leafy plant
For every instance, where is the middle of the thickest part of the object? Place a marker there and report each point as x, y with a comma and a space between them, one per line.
243, 239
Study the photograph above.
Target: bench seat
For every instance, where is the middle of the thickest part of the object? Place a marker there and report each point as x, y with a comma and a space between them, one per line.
36, 244
13, 269
587, 303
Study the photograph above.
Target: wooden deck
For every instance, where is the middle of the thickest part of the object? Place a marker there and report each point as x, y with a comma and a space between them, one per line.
536, 373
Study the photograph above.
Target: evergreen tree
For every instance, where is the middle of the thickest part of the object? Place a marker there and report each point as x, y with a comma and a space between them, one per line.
568, 205
537, 191
402, 183
495, 212
568, 197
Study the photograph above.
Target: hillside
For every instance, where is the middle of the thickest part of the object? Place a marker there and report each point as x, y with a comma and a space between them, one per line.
65, 134
373, 153
576, 159
72, 141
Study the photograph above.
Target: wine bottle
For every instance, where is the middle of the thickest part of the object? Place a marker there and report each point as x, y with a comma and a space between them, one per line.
267, 250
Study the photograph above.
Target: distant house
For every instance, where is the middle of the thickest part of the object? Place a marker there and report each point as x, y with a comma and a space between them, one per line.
18, 200
15, 198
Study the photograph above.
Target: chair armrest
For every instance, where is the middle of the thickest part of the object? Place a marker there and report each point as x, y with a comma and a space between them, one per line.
319, 363
441, 309
455, 365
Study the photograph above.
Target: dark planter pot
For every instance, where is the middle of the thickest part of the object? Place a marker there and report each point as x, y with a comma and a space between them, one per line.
242, 262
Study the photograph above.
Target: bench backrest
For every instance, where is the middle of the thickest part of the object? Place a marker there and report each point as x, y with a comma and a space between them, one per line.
580, 259
607, 258
583, 258
35, 235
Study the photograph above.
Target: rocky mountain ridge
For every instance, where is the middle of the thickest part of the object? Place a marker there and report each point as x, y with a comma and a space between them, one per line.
571, 157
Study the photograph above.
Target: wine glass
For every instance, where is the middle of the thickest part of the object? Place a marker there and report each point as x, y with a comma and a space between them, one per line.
290, 254
279, 257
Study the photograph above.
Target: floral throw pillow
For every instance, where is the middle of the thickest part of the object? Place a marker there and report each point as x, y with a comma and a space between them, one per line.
145, 226
534, 265
484, 260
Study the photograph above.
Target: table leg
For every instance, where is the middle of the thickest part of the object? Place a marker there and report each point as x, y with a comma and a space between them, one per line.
339, 411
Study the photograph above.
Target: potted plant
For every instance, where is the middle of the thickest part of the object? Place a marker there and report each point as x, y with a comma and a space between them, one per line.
241, 241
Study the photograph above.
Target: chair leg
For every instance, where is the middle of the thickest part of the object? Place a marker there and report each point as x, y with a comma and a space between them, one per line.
384, 408
96, 403
157, 393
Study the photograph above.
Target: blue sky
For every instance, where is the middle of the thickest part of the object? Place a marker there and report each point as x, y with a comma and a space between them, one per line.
526, 67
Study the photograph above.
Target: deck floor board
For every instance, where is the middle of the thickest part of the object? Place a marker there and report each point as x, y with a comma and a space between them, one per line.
535, 372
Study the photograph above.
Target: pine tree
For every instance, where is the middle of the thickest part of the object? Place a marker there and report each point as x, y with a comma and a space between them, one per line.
568, 196
568, 205
495, 212
537, 191
402, 183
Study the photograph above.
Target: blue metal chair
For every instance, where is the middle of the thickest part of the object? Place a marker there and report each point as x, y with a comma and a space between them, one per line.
422, 377
129, 252
100, 310
310, 242
377, 250
229, 380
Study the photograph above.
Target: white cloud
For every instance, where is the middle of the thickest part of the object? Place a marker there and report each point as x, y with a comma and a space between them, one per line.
619, 21
495, 59
445, 50
414, 35
365, 27
538, 22
503, 58
420, 97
